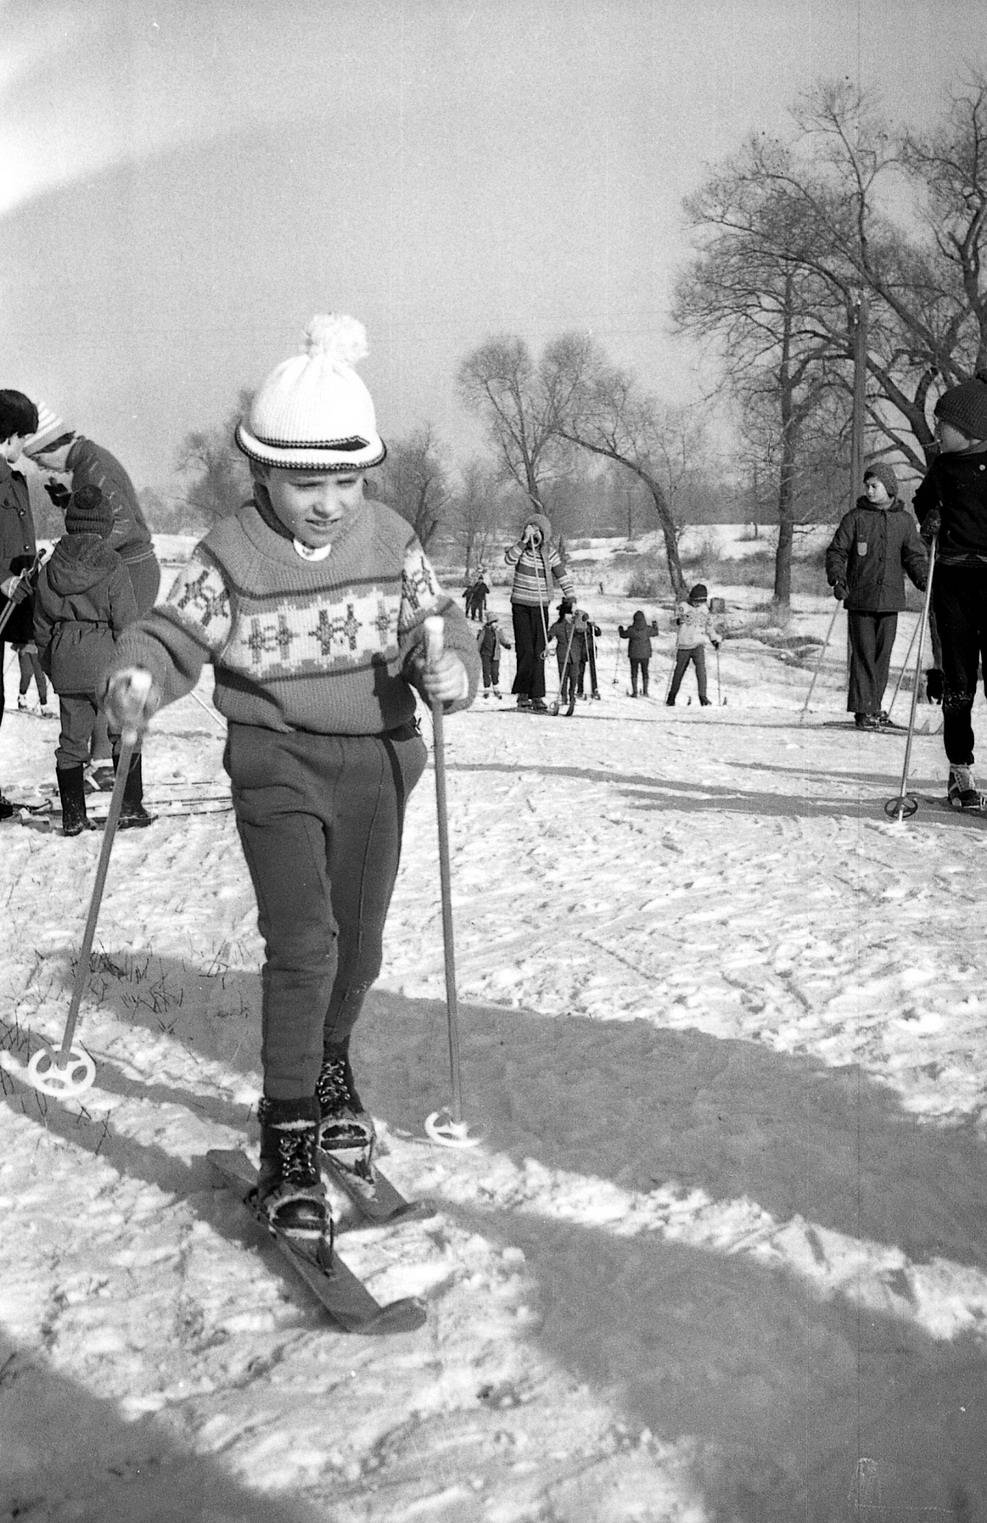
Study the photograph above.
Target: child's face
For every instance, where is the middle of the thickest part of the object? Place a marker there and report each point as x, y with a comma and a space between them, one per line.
877, 492
311, 503
11, 449
950, 438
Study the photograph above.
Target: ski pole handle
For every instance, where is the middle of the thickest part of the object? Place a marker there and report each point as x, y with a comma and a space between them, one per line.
434, 638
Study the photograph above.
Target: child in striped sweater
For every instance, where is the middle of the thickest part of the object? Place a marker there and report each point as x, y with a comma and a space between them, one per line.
538, 566
310, 604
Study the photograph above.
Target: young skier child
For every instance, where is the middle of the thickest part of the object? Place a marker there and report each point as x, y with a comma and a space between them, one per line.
696, 625
18, 545
84, 603
310, 604
490, 641
638, 637
537, 563
951, 502
874, 544
569, 634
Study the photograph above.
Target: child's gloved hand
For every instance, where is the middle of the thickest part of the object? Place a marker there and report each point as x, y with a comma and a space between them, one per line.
14, 588
58, 492
930, 526
131, 700
445, 680
841, 591
933, 684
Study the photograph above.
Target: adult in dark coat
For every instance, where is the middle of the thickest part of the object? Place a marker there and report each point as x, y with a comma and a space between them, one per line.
875, 546
18, 544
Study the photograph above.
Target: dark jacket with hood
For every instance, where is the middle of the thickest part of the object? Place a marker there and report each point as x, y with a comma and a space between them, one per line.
868, 553
955, 486
84, 603
638, 637
17, 548
91, 465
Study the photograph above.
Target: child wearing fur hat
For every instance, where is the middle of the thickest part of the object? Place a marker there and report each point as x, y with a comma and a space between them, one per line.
490, 641
875, 546
310, 603
951, 507
84, 603
18, 543
696, 625
638, 636
537, 566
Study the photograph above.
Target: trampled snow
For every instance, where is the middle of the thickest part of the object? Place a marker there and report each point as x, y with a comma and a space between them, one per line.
722, 1254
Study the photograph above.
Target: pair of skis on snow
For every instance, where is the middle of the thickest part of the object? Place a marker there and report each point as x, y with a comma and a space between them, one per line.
346, 1298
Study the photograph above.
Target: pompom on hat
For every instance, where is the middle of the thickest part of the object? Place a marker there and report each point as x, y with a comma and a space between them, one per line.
884, 473
50, 427
314, 413
965, 407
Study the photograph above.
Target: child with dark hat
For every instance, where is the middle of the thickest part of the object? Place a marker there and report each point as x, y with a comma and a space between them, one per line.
310, 603
84, 603
696, 626
951, 507
491, 641
638, 636
876, 545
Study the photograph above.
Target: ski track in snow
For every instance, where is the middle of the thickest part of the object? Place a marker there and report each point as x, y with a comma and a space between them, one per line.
721, 1255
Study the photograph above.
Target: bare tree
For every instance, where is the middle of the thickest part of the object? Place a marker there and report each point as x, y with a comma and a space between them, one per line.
475, 514
412, 480
513, 398
220, 477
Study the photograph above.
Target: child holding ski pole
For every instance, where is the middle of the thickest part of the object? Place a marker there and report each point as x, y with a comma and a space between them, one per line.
537, 566
696, 625
490, 641
310, 603
951, 507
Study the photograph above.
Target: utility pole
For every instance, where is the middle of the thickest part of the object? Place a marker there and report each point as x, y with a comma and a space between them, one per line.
858, 336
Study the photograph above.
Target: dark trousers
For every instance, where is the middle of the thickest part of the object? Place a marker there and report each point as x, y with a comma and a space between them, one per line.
871, 637
491, 669
639, 666
30, 667
697, 655
320, 819
529, 650
959, 598
80, 714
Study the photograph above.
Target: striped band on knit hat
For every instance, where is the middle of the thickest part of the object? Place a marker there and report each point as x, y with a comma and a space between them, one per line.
965, 408
314, 413
50, 426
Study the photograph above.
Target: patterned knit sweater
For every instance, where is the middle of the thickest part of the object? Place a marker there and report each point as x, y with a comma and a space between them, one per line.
328, 646
533, 570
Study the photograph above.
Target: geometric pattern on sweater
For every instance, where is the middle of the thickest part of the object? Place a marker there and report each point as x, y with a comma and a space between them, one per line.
304, 632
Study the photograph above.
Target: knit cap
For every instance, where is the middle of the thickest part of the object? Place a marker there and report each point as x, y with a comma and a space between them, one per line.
698, 593
50, 426
490, 618
884, 473
314, 413
88, 512
965, 407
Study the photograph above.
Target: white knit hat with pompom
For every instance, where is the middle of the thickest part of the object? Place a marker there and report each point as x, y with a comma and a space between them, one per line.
313, 412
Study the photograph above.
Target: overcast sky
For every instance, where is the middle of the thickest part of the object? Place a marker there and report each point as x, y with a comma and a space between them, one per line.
187, 182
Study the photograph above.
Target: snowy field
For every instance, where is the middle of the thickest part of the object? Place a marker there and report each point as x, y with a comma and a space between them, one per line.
722, 1256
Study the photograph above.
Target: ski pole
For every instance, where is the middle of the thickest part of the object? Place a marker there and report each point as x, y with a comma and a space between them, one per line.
70, 1070
719, 695
815, 674
216, 718
446, 1126
905, 804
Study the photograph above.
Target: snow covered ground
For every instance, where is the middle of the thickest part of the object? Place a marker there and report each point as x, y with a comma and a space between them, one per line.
722, 1256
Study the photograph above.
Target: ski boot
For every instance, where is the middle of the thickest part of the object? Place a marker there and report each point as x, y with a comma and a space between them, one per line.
133, 815
961, 789
290, 1192
72, 793
343, 1122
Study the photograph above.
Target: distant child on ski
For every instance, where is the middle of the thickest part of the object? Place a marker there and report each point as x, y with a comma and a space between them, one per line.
537, 567
875, 546
696, 626
638, 637
310, 602
951, 506
85, 601
18, 544
490, 641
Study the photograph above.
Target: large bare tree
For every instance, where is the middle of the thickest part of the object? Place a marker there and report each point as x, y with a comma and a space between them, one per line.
510, 394
412, 480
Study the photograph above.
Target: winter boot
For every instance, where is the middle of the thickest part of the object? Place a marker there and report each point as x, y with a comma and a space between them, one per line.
72, 793
289, 1189
133, 815
867, 721
7, 810
343, 1122
961, 789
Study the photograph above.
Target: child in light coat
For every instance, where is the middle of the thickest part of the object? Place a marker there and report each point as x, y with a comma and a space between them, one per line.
696, 626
